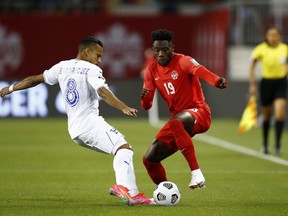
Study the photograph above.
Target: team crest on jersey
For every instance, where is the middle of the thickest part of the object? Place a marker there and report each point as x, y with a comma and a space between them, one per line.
174, 75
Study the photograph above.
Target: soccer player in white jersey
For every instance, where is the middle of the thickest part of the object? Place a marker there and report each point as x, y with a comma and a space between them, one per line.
82, 83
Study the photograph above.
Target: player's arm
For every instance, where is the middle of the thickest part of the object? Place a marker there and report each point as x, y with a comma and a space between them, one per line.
113, 101
28, 82
256, 55
193, 67
211, 78
252, 79
286, 67
147, 93
286, 63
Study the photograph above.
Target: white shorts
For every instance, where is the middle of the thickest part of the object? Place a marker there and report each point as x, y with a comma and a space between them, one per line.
103, 138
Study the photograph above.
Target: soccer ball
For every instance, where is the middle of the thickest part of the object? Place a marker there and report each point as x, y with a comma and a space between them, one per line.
166, 193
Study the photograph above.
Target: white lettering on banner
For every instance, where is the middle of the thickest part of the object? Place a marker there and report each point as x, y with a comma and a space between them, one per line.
18, 104
59, 103
37, 101
4, 106
26, 103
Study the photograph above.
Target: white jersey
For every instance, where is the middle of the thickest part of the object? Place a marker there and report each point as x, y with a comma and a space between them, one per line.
79, 81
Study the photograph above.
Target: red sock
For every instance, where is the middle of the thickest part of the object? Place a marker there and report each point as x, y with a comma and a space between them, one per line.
189, 154
184, 143
155, 170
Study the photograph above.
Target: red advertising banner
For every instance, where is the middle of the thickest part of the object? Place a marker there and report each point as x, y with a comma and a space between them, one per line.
29, 44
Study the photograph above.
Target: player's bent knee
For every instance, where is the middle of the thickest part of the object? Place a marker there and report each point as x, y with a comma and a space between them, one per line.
174, 123
148, 164
124, 146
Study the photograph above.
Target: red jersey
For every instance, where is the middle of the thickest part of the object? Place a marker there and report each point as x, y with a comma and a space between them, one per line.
177, 83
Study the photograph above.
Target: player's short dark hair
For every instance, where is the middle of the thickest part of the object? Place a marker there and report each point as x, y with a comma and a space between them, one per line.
275, 28
89, 41
162, 34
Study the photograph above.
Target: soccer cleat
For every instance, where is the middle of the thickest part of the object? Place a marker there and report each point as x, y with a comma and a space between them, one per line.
141, 199
121, 192
278, 151
265, 151
198, 180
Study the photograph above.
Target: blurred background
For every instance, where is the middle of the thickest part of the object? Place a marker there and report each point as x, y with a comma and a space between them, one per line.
220, 34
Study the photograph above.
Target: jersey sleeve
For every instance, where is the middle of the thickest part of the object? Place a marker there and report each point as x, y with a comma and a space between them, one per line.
257, 52
146, 102
96, 79
194, 68
51, 75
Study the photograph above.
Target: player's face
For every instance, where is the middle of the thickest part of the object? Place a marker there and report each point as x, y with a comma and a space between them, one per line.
273, 36
163, 51
94, 55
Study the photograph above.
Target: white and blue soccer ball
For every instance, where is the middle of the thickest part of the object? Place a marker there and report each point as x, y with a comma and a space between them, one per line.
167, 193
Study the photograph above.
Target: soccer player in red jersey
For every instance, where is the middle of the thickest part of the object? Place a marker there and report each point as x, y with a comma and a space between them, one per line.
176, 77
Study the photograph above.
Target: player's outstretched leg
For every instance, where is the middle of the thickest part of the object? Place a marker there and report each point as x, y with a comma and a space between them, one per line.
125, 187
122, 160
155, 170
185, 145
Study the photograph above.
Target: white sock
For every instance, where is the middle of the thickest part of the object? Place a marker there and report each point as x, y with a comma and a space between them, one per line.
124, 170
196, 172
131, 180
121, 162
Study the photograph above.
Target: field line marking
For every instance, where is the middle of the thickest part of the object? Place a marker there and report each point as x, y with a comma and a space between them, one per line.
93, 171
231, 146
234, 147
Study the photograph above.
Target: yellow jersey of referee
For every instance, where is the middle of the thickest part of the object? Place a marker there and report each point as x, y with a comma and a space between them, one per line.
273, 60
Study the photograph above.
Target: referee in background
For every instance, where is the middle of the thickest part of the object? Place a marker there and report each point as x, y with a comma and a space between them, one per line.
273, 55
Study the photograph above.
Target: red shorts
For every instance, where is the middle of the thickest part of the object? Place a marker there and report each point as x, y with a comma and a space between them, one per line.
202, 123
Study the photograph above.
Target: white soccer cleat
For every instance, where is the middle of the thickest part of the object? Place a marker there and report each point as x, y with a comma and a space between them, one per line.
198, 180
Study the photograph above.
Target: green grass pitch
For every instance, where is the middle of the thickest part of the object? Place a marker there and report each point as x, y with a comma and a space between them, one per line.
42, 172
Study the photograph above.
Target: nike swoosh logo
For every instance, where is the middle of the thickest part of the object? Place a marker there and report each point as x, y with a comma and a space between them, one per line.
157, 78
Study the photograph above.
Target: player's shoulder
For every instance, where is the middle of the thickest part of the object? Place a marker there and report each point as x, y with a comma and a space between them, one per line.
152, 65
181, 57
283, 45
259, 50
186, 60
89, 67
261, 46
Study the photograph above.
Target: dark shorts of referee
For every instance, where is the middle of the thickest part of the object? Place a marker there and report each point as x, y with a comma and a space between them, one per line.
271, 89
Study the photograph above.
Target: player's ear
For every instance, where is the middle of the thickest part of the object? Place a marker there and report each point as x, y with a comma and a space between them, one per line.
173, 47
86, 52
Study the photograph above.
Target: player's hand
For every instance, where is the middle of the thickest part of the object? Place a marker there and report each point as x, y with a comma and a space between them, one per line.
144, 92
4, 91
222, 83
130, 111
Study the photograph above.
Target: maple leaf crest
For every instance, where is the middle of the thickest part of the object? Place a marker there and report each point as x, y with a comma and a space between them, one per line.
123, 50
11, 50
